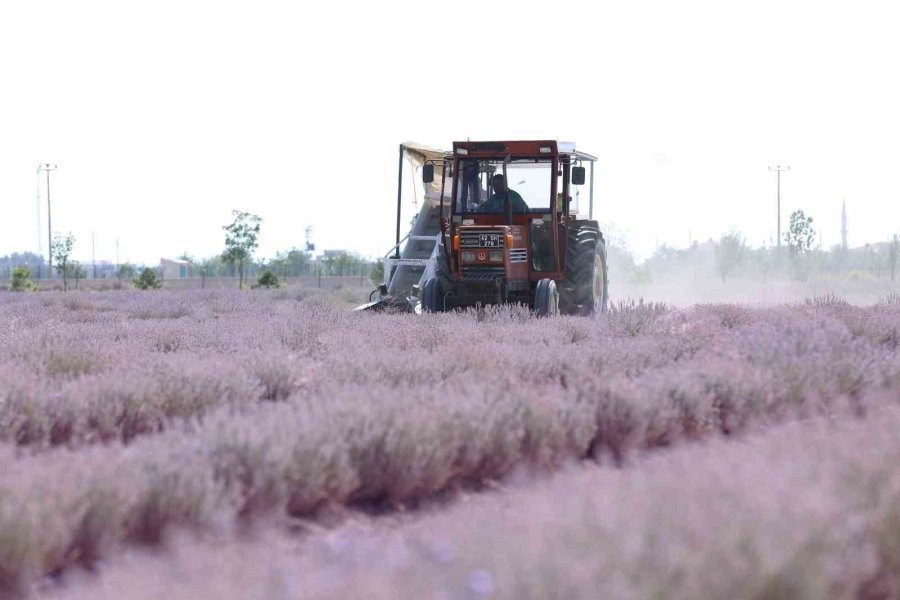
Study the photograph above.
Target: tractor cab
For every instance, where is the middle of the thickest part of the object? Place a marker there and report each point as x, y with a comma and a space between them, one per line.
507, 208
507, 230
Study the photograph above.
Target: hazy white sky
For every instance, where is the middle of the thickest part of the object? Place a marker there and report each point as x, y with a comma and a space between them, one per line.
163, 116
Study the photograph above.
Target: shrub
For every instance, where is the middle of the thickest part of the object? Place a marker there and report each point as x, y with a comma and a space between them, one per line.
831, 300
21, 280
147, 280
888, 301
268, 279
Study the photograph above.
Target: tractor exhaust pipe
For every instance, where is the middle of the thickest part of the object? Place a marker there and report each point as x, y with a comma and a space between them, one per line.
507, 205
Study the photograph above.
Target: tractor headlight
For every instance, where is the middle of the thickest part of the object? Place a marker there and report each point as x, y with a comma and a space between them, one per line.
496, 256
468, 256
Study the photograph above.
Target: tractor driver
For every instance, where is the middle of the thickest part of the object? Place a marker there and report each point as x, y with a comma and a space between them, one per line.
494, 204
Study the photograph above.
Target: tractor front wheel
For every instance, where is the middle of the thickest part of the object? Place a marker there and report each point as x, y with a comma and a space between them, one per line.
546, 298
432, 296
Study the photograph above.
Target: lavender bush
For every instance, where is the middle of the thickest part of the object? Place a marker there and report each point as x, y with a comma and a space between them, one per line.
803, 511
122, 413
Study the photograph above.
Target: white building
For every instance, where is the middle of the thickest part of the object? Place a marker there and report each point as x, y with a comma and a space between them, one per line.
174, 268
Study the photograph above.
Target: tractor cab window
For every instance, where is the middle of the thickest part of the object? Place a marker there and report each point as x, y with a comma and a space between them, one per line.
482, 187
574, 196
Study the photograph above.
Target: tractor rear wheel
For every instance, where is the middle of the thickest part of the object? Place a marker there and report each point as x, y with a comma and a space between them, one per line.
546, 298
584, 290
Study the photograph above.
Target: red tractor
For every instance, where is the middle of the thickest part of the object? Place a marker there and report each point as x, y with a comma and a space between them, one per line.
502, 227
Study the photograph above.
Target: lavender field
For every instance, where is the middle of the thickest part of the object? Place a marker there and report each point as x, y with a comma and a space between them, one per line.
709, 451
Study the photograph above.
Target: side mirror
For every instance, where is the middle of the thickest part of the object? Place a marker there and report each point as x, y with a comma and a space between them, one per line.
577, 175
428, 173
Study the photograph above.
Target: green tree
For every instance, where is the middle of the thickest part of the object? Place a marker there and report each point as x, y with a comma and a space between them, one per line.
77, 271
293, 262
800, 238
147, 280
61, 250
125, 271
893, 254
800, 235
730, 253
241, 239
21, 280
621, 261
343, 263
346, 262
208, 267
376, 273
762, 260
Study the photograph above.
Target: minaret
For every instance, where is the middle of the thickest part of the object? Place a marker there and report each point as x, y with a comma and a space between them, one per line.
844, 225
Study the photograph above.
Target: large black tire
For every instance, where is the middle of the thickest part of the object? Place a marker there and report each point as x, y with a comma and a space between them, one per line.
432, 296
436, 288
442, 270
585, 288
546, 298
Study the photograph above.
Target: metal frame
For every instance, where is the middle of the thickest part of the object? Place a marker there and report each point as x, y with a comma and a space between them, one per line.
399, 199
584, 156
391, 262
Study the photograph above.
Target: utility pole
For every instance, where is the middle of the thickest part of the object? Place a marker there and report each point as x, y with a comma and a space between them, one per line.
844, 225
778, 171
47, 167
37, 203
93, 256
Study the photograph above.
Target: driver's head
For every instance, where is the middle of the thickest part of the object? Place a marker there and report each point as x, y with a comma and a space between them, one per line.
498, 183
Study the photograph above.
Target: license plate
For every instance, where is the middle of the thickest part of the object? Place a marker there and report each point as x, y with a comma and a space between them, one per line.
489, 240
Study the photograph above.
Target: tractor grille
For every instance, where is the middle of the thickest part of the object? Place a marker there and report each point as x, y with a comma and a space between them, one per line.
483, 273
484, 285
518, 255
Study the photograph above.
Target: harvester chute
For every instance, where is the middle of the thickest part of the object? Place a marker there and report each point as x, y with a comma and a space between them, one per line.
411, 261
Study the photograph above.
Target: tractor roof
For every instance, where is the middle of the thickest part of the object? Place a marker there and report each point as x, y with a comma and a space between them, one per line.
497, 149
519, 148
427, 153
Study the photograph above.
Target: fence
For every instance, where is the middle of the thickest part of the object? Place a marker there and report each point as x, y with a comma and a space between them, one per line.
328, 282
103, 276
